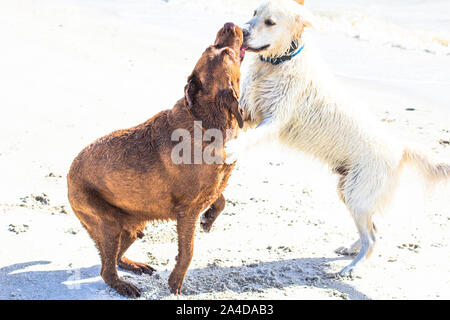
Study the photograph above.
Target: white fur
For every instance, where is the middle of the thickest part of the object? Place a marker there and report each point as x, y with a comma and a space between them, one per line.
305, 108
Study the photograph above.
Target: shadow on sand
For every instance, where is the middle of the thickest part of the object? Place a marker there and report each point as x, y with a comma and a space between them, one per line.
85, 283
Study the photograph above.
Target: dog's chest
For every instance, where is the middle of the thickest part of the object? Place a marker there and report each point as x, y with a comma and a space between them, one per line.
268, 94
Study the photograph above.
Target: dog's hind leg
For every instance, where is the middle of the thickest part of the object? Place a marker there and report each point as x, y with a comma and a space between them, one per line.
212, 213
103, 225
367, 238
126, 240
107, 239
354, 248
363, 247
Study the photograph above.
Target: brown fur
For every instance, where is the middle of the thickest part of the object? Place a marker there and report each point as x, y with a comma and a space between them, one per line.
127, 178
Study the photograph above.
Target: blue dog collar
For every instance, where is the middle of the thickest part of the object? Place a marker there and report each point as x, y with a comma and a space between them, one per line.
282, 59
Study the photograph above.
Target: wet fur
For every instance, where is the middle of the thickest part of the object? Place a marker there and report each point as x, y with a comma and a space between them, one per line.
127, 178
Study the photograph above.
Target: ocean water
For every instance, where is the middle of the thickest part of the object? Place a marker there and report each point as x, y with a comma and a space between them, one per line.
420, 25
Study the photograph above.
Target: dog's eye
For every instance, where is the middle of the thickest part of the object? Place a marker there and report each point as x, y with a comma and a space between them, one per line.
254, 13
269, 22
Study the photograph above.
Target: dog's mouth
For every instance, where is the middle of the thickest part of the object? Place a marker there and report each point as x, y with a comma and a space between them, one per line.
242, 52
256, 50
231, 36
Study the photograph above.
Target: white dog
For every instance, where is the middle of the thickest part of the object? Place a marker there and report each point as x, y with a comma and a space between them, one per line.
293, 98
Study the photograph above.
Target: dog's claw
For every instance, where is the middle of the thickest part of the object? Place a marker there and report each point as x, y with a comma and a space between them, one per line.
147, 269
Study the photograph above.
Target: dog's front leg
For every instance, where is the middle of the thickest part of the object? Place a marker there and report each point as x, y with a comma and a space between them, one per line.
186, 230
264, 132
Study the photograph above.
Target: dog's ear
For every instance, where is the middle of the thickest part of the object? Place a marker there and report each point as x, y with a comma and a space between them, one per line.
191, 89
302, 2
304, 20
229, 99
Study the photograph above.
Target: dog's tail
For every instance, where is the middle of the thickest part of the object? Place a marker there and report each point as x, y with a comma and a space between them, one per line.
433, 171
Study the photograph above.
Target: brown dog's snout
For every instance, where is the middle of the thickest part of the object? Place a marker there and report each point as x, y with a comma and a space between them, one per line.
229, 26
228, 35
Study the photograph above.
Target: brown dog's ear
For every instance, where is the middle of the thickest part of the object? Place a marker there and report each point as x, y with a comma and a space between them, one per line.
302, 2
191, 89
230, 100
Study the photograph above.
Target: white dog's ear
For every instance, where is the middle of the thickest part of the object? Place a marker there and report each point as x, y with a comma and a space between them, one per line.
304, 20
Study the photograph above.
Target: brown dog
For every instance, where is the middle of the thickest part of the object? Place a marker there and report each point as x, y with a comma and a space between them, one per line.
127, 178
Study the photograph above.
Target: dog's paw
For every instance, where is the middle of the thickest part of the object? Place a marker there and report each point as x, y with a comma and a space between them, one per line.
205, 223
125, 288
347, 272
353, 250
208, 219
175, 283
343, 251
136, 267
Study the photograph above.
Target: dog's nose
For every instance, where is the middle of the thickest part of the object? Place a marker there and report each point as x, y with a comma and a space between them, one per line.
245, 32
229, 26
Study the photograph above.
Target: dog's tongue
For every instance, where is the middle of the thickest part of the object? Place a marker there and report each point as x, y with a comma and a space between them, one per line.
243, 48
